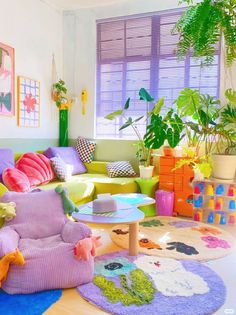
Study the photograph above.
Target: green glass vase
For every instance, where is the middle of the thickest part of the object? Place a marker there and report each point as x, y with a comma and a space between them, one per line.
63, 128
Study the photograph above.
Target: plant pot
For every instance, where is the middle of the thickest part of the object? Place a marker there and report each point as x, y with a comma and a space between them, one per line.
224, 166
146, 171
168, 151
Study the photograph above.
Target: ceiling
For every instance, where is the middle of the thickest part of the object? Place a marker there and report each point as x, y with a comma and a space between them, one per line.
77, 4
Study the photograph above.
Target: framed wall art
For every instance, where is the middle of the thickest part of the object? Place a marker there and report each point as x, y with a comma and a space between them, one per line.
28, 91
7, 80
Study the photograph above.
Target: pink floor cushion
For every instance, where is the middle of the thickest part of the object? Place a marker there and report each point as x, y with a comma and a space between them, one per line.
46, 238
15, 180
37, 168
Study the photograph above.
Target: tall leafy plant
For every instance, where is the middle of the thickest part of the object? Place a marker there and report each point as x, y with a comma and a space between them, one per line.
202, 25
143, 153
213, 123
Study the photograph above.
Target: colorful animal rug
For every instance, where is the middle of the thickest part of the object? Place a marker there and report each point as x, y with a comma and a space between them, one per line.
177, 238
146, 285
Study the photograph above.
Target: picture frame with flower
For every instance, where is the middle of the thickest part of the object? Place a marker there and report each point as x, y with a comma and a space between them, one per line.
28, 100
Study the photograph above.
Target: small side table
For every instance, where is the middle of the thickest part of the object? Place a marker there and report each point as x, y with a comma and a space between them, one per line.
148, 187
133, 217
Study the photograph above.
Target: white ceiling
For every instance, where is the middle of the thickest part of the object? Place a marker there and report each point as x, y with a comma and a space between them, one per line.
77, 4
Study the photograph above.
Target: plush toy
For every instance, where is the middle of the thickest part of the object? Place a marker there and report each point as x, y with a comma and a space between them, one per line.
86, 246
68, 205
7, 210
12, 258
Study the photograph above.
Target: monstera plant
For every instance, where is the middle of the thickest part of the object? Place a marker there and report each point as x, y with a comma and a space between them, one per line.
202, 25
167, 128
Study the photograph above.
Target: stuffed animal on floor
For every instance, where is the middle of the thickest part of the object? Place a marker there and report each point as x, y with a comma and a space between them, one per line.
7, 210
86, 246
68, 205
15, 258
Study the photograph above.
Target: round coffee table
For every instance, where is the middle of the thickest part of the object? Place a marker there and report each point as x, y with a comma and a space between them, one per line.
135, 199
126, 214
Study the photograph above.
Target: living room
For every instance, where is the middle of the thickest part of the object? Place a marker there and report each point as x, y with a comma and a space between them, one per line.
120, 105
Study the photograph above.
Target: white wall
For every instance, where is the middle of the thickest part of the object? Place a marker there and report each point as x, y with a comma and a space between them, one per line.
34, 29
80, 54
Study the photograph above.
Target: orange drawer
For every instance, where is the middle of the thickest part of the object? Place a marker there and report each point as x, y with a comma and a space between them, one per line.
166, 186
166, 169
181, 205
183, 183
166, 178
167, 161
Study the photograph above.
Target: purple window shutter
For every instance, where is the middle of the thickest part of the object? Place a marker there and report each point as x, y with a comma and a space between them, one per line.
139, 51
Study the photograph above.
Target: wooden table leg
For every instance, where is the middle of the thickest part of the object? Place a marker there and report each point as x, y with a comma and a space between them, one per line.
133, 239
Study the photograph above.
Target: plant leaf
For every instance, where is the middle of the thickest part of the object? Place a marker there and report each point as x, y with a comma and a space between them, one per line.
173, 137
127, 103
156, 133
188, 102
231, 96
145, 96
127, 123
158, 106
113, 115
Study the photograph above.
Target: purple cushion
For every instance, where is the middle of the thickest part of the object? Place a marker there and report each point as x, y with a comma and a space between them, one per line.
69, 155
6, 160
34, 210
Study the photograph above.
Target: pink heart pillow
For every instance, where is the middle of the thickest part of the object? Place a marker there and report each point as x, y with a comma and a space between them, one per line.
15, 180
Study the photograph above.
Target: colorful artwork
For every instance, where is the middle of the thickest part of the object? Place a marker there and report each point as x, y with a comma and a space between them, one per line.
28, 102
7, 79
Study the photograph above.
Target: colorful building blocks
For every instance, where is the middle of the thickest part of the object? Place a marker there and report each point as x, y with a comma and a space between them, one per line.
216, 201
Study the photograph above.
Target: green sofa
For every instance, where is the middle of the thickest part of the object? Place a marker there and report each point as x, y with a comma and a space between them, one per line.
85, 187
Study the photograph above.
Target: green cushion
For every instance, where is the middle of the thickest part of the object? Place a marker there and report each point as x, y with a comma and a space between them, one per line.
104, 184
79, 192
97, 167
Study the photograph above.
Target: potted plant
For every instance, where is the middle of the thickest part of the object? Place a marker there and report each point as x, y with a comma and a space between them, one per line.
224, 157
143, 153
213, 124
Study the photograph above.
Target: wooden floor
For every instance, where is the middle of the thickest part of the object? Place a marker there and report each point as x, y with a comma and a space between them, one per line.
72, 303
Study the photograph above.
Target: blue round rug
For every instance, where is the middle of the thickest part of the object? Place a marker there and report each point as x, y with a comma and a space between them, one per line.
125, 285
28, 304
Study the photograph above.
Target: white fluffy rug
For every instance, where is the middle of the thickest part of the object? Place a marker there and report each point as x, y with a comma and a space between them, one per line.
178, 238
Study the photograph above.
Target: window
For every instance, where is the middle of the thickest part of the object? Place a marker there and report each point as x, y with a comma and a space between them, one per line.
137, 52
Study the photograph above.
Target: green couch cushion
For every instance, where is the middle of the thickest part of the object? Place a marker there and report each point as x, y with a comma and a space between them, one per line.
104, 184
97, 167
79, 192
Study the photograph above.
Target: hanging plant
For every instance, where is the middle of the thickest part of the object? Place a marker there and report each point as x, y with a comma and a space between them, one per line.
60, 96
201, 27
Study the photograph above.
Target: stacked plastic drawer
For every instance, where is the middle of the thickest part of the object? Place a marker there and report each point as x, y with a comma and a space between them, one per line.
178, 181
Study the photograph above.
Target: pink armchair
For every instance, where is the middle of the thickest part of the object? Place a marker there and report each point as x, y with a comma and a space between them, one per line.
46, 239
